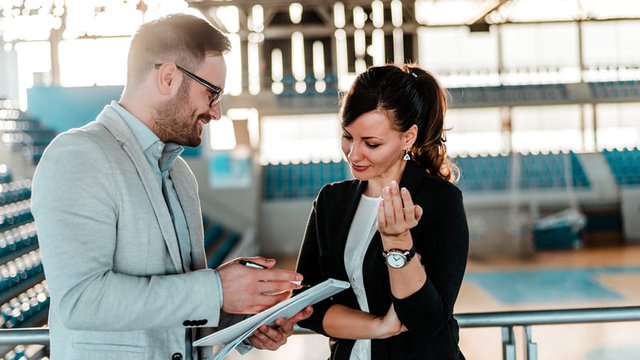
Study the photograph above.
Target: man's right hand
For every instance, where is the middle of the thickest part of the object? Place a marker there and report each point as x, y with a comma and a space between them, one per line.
248, 290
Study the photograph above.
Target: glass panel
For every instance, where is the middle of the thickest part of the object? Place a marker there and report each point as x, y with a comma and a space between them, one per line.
300, 138
618, 125
458, 57
546, 129
473, 131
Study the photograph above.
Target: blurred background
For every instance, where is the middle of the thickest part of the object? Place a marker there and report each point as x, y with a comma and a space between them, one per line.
544, 122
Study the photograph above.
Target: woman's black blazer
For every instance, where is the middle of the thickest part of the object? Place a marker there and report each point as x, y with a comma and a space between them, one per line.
441, 238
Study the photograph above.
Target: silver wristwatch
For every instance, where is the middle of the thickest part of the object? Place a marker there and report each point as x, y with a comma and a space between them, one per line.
398, 258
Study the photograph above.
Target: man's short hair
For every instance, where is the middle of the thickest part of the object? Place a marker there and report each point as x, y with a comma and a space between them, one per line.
180, 38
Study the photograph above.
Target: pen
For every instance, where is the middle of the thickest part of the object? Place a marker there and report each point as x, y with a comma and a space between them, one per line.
254, 265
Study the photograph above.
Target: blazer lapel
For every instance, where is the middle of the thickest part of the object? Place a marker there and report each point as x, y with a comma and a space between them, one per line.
350, 205
186, 188
122, 133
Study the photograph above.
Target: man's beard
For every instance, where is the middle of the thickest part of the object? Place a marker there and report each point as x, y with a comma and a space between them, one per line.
176, 121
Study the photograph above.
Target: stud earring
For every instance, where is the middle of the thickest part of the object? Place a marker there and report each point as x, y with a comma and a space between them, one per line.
407, 155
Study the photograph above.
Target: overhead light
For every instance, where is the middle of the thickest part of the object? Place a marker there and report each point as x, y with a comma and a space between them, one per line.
338, 15
295, 12
396, 13
257, 18
297, 56
377, 13
359, 17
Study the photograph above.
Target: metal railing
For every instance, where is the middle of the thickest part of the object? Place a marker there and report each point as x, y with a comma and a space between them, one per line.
526, 319
505, 320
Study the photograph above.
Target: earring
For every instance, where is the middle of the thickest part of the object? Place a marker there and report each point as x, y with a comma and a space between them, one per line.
407, 155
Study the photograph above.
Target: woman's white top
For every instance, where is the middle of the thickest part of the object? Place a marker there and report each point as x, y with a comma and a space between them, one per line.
362, 229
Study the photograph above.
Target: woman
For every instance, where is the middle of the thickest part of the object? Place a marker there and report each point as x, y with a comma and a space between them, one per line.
397, 233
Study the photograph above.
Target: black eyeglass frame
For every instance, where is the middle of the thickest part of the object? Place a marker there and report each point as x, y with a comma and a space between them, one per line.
216, 92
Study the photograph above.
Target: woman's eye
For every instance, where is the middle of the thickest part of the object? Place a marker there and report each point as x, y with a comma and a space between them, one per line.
373, 146
347, 137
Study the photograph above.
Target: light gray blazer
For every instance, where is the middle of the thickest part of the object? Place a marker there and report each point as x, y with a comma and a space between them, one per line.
110, 252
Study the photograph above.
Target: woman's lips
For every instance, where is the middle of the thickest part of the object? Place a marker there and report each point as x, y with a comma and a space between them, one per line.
359, 168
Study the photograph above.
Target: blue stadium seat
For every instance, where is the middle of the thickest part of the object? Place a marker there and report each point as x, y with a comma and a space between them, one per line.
222, 251
212, 235
625, 165
285, 181
543, 171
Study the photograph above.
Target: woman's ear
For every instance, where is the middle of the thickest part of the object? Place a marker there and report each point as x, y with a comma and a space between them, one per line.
409, 137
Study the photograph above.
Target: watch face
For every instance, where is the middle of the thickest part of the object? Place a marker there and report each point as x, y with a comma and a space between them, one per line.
395, 259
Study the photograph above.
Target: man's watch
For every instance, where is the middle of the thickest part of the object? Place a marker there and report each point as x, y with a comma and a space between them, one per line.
398, 258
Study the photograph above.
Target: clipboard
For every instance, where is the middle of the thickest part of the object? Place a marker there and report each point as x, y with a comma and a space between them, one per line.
236, 333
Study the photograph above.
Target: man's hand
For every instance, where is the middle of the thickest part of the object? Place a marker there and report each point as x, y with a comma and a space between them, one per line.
248, 290
271, 338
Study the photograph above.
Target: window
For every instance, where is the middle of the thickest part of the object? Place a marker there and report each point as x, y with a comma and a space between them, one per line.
300, 138
474, 131
618, 125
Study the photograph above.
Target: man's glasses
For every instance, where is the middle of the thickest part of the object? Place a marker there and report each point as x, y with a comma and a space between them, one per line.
216, 92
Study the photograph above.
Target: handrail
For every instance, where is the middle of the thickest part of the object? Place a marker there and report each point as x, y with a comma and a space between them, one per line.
505, 320
26, 336
549, 317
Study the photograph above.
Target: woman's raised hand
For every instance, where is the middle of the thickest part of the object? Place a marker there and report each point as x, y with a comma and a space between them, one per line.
397, 214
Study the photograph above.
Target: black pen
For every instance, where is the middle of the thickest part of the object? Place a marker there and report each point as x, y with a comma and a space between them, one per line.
255, 265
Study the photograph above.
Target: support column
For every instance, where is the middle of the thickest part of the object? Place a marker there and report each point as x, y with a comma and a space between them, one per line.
531, 348
508, 343
55, 37
506, 129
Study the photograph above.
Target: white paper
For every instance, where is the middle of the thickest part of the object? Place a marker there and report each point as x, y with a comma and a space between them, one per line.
234, 334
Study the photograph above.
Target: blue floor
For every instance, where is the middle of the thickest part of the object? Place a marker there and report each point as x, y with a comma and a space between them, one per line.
549, 286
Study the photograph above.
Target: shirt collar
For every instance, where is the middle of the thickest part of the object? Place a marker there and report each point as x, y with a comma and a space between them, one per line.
163, 154
142, 133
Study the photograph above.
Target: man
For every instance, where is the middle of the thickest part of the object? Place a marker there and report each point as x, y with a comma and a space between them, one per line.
119, 219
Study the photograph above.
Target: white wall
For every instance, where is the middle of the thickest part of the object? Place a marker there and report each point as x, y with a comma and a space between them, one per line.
236, 209
282, 225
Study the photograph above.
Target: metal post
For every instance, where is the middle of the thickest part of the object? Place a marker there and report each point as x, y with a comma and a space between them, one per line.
531, 348
508, 343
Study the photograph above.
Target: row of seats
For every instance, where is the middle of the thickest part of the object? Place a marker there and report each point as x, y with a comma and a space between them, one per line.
24, 307
22, 289
484, 173
21, 133
512, 93
18, 238
10, 113
544, 171
283, 181
218, 242
5, 174
15, 214
625, 165
18, 353
17, 140
20, 125
19, 270
615, 89
488, 94
11, 192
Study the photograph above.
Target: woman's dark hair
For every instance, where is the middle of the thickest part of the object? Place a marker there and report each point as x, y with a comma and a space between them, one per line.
411, 96
180, 38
